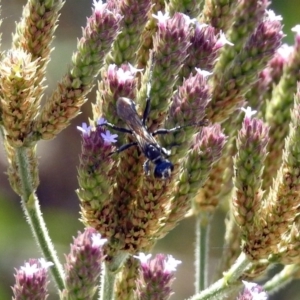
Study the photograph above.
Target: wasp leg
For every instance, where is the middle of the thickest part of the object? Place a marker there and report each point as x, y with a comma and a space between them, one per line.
148, 99
165, 131
165, 151
146, 111
146, 167
177, 128
124, 147
121, 129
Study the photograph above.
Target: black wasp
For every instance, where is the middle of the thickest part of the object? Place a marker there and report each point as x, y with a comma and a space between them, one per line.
145, 140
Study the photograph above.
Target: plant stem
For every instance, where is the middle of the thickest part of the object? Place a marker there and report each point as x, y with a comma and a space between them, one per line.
108, 284
37, 224
281, 279
202, 233
110, 271
229, 283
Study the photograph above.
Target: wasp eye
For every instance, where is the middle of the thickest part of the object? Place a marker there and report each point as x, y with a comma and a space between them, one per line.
163, 170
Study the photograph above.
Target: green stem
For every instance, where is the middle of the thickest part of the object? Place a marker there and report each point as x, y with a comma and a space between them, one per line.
226, 285
281, 279
110, 271
202, 233
231, 247
32, 210
108, 284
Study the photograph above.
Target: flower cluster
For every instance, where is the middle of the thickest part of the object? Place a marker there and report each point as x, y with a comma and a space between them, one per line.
31, 280
83, 265
156, 276
195, 93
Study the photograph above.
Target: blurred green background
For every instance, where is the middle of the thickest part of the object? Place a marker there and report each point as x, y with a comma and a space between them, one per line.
58, 161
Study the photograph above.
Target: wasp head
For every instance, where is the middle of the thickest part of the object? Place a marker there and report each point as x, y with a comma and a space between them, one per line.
163, 169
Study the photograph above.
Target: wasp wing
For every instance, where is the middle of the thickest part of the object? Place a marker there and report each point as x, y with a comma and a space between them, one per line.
126, 110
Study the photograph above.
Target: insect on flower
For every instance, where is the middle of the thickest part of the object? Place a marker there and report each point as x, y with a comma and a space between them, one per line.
136, 126
145, 140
